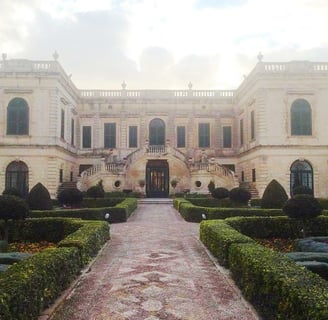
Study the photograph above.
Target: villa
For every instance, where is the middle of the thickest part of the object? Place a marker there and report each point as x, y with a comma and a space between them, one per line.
273, 126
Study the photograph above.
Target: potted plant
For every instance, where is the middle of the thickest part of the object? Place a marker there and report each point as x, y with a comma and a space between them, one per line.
174, 183
142, 183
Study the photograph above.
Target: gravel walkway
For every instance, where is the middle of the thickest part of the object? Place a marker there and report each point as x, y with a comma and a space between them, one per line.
154, 268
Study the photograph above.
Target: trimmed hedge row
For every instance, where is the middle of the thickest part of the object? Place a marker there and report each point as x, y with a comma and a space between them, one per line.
274, 284
119, 213
217, 236
101, 202
281, 227
194, 213
26, 288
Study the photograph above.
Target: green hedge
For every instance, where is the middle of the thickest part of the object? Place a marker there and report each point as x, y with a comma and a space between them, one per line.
88, 239
119, 213
100, 202
194, 213
272, 282
276, 286
323, 203
281, 227
217, 236
178, 201
27, 287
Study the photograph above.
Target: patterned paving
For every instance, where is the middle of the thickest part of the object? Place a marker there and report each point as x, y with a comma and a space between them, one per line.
154, 268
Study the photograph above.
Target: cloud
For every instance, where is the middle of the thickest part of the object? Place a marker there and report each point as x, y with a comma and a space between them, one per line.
163, 44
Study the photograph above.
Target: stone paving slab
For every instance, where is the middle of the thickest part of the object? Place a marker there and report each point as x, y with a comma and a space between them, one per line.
154, 268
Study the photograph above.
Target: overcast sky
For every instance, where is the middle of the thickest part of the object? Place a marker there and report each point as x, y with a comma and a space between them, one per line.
163, 44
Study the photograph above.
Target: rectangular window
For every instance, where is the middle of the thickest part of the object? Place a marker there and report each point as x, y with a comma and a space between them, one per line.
110, 135
133, 137
241, 128
61, 175
181, 137
253, 175
204, 135
252, 125
227, 141
71, 176
72, 132
86, 137
242, 176
62, 124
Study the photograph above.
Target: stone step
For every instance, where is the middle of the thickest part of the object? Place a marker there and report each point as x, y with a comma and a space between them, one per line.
155, 201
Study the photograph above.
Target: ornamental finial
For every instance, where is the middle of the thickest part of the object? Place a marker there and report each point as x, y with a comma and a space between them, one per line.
260, 57
55, 55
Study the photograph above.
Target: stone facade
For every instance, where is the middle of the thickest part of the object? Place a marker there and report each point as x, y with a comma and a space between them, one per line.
273, 126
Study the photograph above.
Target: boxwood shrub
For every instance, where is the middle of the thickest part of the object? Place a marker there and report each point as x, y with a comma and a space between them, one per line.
33, 284
27, 287
194, 213
217, 236
277, 286
119, 213
101, 202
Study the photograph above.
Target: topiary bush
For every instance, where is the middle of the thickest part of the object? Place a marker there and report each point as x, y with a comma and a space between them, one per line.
239, 195
12, 208
12, 192
302, 206
274, 196
211, 186
302, 190
39, 198
95, 192
70, 197
220, 193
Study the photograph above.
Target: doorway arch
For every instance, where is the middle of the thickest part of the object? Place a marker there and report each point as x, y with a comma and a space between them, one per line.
157, 179
17, 177
301, 174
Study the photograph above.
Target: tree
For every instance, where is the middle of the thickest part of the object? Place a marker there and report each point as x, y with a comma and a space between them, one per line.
239, 195
12, 208
96, 191
39, 198
220, 193
70, 197
211, 186
274, 196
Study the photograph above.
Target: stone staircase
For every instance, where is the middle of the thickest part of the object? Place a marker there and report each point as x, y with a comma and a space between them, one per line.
249, 186
66, 185
155, 201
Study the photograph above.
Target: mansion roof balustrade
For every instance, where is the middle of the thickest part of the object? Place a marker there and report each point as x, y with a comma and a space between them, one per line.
157, 94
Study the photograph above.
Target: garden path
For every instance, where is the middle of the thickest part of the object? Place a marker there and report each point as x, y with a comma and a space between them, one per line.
154, 267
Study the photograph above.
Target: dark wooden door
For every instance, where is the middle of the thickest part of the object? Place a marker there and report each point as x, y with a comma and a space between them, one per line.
157, 179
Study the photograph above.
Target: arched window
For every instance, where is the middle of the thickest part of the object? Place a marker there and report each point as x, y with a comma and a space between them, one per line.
156, 132
17, 117
301, 174
17, 177
301, 118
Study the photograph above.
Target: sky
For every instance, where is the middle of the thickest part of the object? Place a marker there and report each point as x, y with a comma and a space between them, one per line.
163, 44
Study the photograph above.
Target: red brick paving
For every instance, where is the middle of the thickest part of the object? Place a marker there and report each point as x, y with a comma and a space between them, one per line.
154, 268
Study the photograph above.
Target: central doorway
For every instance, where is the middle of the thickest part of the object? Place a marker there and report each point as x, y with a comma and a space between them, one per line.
157, 179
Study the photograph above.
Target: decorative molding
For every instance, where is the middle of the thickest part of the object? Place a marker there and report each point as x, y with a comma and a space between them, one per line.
18, 91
